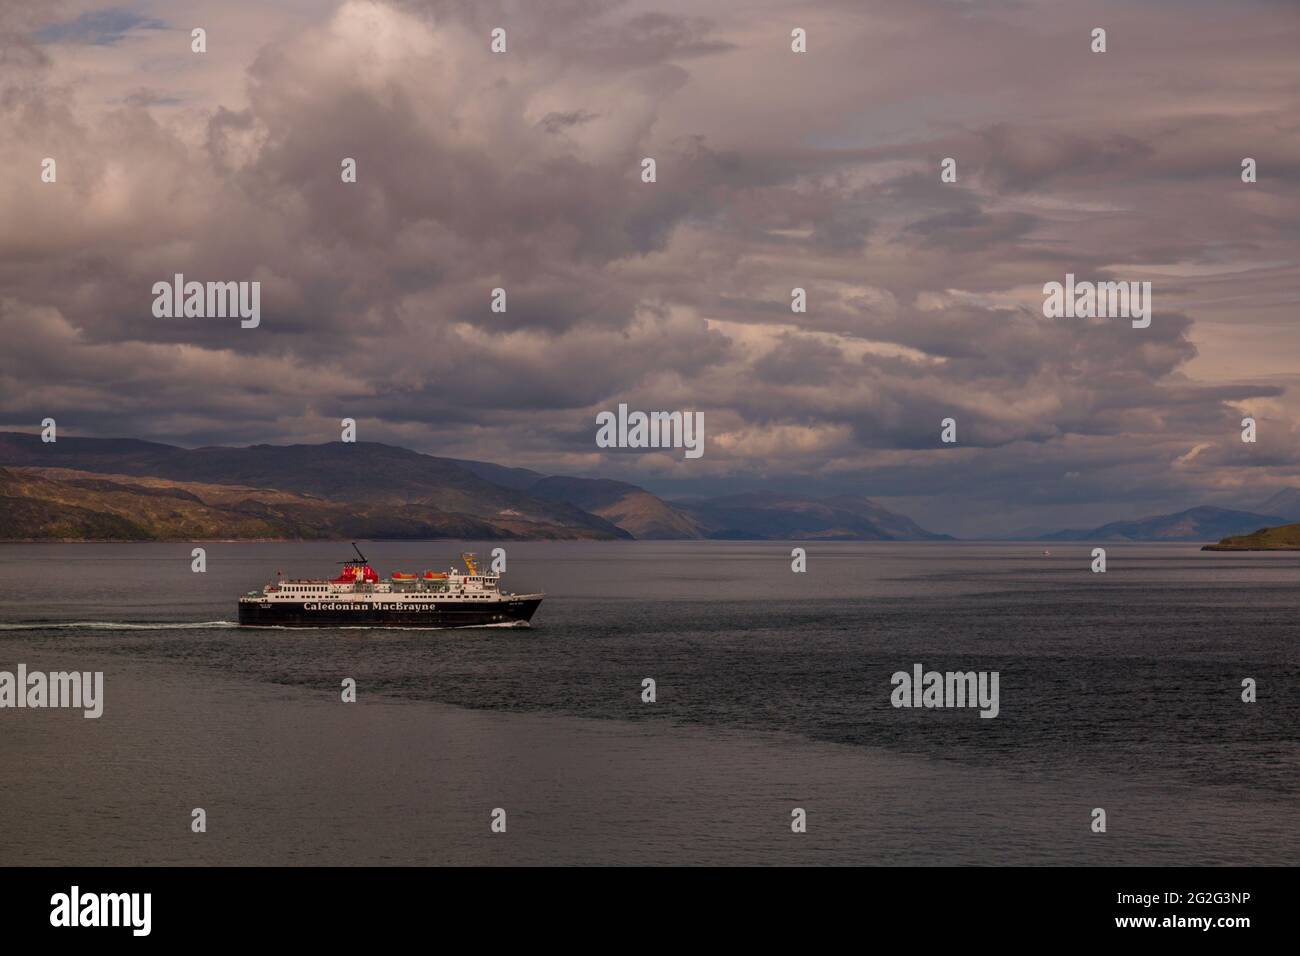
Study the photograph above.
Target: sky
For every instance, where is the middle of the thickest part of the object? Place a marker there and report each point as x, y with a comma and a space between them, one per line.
774, 170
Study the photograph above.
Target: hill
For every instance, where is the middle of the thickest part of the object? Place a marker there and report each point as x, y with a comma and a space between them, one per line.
631, 508
767, 516
635, 510
352, 472
66, 505
1285, 503
125, 489
334, 490
1284, 538
1195, 524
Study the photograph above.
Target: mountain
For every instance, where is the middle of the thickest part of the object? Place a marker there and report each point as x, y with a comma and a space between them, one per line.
352, 471
1285, 538
631, 508
61, 504
1031, 533
750, 516
124, 489
1196, 524
392, 491
769, 516
1285, 503
517, 478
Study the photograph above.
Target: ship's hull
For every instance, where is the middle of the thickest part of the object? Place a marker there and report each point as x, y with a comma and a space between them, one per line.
343, 612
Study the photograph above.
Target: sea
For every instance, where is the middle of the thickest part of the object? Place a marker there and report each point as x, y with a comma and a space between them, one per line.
771, 737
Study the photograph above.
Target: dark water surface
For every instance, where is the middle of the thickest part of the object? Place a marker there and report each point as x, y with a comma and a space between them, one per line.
1122, 687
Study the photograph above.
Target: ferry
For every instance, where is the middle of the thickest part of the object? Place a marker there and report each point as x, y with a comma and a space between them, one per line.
358, 597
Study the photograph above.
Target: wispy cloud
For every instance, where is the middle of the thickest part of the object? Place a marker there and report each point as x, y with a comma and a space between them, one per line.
98, 27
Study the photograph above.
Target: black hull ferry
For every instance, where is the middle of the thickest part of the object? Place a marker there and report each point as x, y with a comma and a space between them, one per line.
359, 598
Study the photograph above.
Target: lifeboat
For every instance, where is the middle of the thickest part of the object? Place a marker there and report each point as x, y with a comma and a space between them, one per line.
403, 576
434, 575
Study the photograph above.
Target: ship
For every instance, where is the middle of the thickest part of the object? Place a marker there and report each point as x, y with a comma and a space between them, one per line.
358, 597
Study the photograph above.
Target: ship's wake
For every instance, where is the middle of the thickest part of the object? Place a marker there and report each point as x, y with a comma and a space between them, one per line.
115, 625
205, 625
381, 627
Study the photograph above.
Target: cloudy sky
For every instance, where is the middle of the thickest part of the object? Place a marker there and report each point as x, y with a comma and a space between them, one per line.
775, 170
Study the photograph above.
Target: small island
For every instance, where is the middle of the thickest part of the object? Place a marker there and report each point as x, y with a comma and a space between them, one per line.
1283, 538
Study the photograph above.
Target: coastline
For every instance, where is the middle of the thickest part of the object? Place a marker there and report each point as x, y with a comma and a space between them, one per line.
1229, 547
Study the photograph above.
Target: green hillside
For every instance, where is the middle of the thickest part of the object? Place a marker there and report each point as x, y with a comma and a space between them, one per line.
1283, 538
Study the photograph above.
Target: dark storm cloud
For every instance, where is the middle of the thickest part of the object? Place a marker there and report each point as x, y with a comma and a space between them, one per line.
972, 228
558, 122
799, 360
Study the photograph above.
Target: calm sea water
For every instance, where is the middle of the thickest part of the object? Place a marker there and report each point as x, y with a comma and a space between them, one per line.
1122, 686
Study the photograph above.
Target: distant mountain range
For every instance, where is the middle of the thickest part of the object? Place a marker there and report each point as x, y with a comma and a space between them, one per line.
1195, 524
1285, 503
1277, 536
840, 518
124, 489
